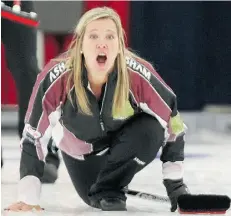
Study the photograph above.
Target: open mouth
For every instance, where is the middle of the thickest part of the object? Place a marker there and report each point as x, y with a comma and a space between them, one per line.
101, 58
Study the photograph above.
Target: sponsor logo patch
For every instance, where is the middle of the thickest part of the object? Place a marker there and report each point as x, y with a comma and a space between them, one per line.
56, 71
136, 66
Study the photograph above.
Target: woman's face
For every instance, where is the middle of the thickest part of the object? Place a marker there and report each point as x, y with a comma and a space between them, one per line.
100, 46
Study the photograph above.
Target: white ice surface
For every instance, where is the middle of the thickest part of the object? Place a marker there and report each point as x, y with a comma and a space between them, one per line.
210, 173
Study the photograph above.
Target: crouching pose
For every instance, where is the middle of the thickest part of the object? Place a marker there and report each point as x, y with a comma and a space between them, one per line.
109, 113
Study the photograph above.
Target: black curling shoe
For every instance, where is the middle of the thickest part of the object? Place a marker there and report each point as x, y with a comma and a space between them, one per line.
113, 204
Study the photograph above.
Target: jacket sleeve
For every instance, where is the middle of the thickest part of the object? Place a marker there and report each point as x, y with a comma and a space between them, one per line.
42, 114
159, 100
173, 150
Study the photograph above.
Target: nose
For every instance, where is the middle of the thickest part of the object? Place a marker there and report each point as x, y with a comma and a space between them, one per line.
102, 46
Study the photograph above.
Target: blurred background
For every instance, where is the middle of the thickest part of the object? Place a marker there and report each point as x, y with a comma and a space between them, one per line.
189, 44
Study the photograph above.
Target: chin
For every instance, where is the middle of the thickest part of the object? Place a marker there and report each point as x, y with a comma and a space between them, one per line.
103, 72
103, 69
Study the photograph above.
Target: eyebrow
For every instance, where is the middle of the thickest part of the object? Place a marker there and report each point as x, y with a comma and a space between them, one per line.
108, 30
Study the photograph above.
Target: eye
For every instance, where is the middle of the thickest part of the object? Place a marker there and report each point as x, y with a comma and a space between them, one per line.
110, 37
93, 36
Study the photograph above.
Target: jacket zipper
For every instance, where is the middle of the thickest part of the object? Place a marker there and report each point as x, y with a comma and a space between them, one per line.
100, 113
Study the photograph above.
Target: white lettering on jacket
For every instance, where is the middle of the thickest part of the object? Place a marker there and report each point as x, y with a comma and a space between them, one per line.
136, 66
56, 71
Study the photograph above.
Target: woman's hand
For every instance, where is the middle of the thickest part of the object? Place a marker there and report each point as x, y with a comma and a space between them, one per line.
21, 206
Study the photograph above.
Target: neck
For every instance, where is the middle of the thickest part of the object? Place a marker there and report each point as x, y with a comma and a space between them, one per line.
97, 81
96, 84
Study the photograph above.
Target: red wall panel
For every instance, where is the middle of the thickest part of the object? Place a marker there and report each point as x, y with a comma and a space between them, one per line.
51, 47
8, 89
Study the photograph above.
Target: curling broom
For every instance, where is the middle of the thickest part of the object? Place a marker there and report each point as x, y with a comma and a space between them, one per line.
190, 203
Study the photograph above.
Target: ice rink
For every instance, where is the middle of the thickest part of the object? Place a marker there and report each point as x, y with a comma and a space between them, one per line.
207, 170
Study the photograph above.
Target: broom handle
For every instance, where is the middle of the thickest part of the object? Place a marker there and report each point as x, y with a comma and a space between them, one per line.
147, 196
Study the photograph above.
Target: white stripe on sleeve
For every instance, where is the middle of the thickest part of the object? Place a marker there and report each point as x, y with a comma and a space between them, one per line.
173, 170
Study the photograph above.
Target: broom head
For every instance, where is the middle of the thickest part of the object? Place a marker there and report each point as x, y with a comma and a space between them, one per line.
203, 204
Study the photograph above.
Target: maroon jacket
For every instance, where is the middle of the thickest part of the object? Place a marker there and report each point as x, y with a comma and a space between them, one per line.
50, 113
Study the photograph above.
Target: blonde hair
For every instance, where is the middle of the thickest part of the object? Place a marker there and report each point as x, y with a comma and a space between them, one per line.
75, 63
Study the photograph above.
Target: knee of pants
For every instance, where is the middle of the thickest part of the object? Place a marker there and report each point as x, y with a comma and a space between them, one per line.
140, 139
150, 123
144, 128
